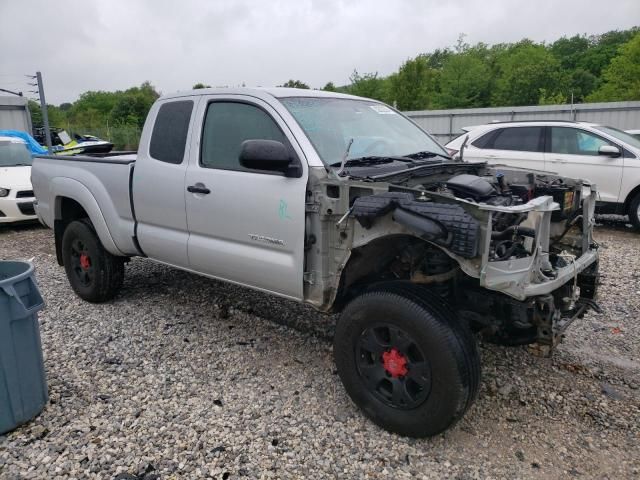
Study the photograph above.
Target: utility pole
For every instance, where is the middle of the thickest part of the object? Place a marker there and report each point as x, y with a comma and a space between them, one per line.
45, 115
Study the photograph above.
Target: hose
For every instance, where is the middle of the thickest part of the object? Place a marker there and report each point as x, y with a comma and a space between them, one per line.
512, 231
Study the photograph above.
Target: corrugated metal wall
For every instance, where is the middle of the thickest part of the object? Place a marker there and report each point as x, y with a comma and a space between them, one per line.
14, 114
446, 124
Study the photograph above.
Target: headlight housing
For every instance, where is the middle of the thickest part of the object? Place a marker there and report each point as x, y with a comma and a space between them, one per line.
4, 192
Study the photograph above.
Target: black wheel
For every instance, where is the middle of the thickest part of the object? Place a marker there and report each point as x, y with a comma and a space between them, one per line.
634, 211
406, 360
94, 274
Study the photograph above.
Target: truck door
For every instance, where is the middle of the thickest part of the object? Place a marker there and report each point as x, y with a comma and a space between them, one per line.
245, 226
573, 152
158, 183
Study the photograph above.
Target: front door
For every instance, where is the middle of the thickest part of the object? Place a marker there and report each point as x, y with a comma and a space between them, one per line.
573, 152
245, 226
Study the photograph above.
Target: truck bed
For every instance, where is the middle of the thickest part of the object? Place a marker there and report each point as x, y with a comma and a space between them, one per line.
101, 184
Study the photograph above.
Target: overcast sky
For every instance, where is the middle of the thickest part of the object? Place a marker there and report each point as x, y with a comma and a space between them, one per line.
108, 45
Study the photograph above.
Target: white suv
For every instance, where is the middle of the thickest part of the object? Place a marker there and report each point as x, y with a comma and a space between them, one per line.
606, 156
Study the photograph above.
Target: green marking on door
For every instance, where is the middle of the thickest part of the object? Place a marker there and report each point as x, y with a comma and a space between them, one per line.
282, 210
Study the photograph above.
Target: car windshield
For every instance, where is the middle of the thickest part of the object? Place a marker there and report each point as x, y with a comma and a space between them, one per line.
14, 153
364, 127
620, 135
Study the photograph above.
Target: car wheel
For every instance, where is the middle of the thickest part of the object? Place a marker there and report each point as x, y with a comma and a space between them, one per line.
94, 274
406, 360
634, 211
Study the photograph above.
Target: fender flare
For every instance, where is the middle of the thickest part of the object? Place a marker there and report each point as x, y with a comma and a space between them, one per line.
73, 189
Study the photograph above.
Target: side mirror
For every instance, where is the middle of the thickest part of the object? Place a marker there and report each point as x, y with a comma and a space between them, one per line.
267, 155
609, 150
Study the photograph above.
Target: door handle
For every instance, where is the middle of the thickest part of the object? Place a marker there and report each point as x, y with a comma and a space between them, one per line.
558, 160
198, 189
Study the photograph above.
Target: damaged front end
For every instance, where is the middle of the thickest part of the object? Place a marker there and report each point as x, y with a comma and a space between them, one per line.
511, 249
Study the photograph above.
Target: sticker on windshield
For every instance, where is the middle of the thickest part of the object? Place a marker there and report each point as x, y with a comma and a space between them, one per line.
382, 109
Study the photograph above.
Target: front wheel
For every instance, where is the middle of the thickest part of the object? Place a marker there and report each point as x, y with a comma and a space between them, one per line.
406, 360
94, 274
634, 211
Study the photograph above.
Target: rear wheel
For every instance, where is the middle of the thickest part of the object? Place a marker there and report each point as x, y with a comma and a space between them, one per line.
94, 274
406, 360
634, 211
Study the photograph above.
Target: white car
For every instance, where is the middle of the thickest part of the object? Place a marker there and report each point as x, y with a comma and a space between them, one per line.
16, 193
605, 156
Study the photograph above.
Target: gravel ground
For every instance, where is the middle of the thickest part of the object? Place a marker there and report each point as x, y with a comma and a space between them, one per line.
185, 377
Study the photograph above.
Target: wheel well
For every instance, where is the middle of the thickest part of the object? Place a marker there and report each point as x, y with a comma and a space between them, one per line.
632, 194
393, 257
66, 211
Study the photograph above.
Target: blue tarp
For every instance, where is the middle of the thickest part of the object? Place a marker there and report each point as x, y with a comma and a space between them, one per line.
34, 147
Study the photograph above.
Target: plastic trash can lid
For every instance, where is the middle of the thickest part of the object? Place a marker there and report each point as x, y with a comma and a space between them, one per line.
13, 271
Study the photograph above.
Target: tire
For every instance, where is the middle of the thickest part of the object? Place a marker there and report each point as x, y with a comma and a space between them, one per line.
634, 211
403, 325
94, 274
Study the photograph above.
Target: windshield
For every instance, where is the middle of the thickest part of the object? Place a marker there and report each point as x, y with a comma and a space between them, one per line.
14, 153
620, 135
376, 130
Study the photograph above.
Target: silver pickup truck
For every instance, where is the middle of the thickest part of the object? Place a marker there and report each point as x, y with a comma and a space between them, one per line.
345, 204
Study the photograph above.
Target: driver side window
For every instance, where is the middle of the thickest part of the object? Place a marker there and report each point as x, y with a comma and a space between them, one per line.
227, 125
573, 141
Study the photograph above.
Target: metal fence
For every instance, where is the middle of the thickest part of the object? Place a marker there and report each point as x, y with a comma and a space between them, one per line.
446, 124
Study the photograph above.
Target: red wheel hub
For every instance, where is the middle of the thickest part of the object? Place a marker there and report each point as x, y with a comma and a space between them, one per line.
395, 363
85, 261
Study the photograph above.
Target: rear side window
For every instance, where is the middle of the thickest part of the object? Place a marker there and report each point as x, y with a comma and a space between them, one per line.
227, 125
523, 139
486, 139
169, 135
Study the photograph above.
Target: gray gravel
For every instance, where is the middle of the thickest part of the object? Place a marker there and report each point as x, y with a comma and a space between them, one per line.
184, 377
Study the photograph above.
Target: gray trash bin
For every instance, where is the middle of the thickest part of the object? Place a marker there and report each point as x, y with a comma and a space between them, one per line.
23, 385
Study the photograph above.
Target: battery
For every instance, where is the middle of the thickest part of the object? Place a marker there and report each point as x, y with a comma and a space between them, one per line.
563, 195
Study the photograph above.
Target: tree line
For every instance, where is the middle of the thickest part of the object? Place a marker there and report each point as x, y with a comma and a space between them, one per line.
595, 68
580, 68
116, 116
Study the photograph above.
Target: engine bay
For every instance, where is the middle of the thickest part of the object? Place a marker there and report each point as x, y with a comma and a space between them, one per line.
506, 193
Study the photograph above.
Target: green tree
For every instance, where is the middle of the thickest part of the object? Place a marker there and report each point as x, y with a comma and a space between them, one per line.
550, 98
369, 85
413, 87
524, 70
603, 48
570, 52
437, 58
581, 84
622, 76
464, 80
199, 85
329, 87
56, 116
295, 84
133, 105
